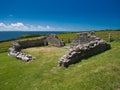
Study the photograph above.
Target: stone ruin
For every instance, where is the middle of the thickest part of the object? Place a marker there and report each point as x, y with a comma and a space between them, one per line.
17, 46
54, 41
83, 46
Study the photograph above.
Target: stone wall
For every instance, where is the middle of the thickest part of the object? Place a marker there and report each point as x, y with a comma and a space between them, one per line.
83, 38
17, 46
22, 44
83, 46
54, 41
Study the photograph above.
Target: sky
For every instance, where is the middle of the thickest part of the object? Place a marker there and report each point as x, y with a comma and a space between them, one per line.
59, 15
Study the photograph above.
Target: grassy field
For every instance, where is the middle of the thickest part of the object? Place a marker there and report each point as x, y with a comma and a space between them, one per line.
100, 72
115, 35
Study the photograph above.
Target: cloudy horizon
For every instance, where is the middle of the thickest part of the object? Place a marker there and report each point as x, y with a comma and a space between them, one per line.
19, 26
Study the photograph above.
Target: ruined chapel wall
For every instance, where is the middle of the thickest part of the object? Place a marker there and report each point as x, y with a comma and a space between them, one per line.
83, 46
17, 46
32, 43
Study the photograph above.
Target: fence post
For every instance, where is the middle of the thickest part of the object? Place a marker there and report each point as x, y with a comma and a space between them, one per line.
109, 37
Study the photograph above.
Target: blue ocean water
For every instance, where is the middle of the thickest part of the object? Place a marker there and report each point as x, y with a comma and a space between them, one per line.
5, 35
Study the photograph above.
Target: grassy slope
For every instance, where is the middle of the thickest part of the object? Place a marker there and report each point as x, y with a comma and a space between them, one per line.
100, 72
115, 35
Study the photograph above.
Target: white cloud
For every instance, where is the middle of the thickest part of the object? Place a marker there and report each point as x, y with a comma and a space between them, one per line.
2, 25
17, 24
22, 27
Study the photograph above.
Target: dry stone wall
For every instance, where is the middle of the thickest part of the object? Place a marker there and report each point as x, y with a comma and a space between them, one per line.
54, 41
17, 46
22, 44
83, 46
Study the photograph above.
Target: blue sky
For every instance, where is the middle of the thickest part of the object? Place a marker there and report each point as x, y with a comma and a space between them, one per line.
70, 15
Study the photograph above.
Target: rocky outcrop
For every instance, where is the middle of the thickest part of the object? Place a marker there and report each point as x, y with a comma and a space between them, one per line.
17, 46
83, 46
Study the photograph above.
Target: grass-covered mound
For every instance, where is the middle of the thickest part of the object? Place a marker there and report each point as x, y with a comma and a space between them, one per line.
100, 72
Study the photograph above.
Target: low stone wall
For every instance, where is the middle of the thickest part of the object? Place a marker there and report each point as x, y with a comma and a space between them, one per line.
33, 43
83, 46
17, 46
22, 44
21, 55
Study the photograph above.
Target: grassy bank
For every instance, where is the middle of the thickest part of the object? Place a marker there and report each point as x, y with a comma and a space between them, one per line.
100, 72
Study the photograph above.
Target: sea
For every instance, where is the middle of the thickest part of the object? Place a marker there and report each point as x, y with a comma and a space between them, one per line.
6, 35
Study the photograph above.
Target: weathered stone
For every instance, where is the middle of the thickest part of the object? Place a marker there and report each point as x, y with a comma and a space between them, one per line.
83, 46
14, 51
54, 41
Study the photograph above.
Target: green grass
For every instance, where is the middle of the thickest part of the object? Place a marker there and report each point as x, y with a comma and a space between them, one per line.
4, 46
100, 72
67, 36
115, 35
